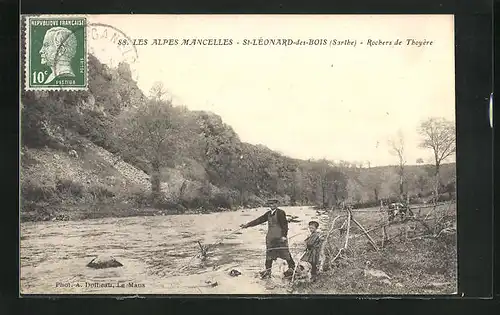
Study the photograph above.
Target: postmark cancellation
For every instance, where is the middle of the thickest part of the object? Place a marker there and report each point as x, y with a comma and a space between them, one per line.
56, 55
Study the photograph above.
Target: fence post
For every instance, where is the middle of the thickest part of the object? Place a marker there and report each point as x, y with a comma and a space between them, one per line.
384, 236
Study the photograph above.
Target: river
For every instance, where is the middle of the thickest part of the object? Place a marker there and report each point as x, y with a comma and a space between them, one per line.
156, 253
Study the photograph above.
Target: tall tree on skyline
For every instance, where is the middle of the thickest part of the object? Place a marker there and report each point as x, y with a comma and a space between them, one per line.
397, 148
438, 134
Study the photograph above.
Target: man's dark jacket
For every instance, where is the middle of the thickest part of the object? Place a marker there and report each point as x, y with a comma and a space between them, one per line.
281, 216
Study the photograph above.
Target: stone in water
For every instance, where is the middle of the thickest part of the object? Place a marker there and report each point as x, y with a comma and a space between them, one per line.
102, 262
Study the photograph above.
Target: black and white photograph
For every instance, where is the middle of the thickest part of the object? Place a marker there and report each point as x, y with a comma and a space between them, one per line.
238, 155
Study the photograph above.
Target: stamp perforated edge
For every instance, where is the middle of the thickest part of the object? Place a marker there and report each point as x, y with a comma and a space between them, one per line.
26, 54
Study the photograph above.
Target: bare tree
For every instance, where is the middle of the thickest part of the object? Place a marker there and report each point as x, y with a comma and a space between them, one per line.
438, 134
397, 148
157, 91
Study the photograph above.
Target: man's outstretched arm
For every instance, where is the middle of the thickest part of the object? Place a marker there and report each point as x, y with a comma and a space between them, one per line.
259, 220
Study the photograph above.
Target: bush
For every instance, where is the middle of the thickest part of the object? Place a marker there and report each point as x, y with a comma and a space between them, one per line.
141, 198
196, 203
32, 191
167, 204
97, 128
222, 200
33, 117
441, 198
69, 187
368, 204
100, 192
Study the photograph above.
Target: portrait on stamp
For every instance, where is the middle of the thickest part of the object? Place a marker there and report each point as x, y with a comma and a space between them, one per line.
58, 50
238, 154
56, 53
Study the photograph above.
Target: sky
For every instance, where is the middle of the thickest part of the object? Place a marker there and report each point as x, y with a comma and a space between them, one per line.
334, 102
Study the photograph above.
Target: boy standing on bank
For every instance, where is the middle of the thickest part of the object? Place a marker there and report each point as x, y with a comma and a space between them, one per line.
313, 248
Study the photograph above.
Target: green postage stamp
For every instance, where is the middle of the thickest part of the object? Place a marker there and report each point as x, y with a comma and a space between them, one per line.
56, 53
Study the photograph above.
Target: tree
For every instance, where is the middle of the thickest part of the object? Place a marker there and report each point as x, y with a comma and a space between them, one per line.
331, 183
221, 150
397, 148
157, 91
421, 183
151, 131
296, 188
450, 187
338, 183
321, 171
373, 182
438, 134
240, 176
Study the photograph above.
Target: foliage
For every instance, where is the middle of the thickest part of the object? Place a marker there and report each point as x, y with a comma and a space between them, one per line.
69, 187
151, 131
155, 136
438, 134
397, 148
35, 191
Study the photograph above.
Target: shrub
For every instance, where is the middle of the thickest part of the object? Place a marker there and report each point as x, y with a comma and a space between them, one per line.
140, 198
69, 187
100, 192
27, 160
368, 204
194, 203
97, 128
167, 204
222, 200
32, 191
441, 198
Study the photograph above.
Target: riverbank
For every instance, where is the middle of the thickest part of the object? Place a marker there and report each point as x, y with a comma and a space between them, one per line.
76, 213
420, 266
49, 212
411, 261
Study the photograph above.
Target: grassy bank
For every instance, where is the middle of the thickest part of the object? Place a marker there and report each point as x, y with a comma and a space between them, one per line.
415, 260
420, 266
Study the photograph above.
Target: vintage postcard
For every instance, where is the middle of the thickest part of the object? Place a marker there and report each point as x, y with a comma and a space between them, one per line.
237, 154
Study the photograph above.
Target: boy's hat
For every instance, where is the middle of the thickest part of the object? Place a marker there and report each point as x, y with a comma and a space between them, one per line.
315, 223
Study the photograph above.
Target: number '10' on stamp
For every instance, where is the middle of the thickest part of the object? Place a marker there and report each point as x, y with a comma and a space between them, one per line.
56, 53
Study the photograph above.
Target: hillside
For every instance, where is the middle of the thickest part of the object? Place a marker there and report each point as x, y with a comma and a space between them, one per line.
82, 157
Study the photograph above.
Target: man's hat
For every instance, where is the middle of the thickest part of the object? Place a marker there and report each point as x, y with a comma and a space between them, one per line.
271, 202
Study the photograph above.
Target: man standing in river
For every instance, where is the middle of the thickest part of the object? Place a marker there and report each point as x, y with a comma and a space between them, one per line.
276, 238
